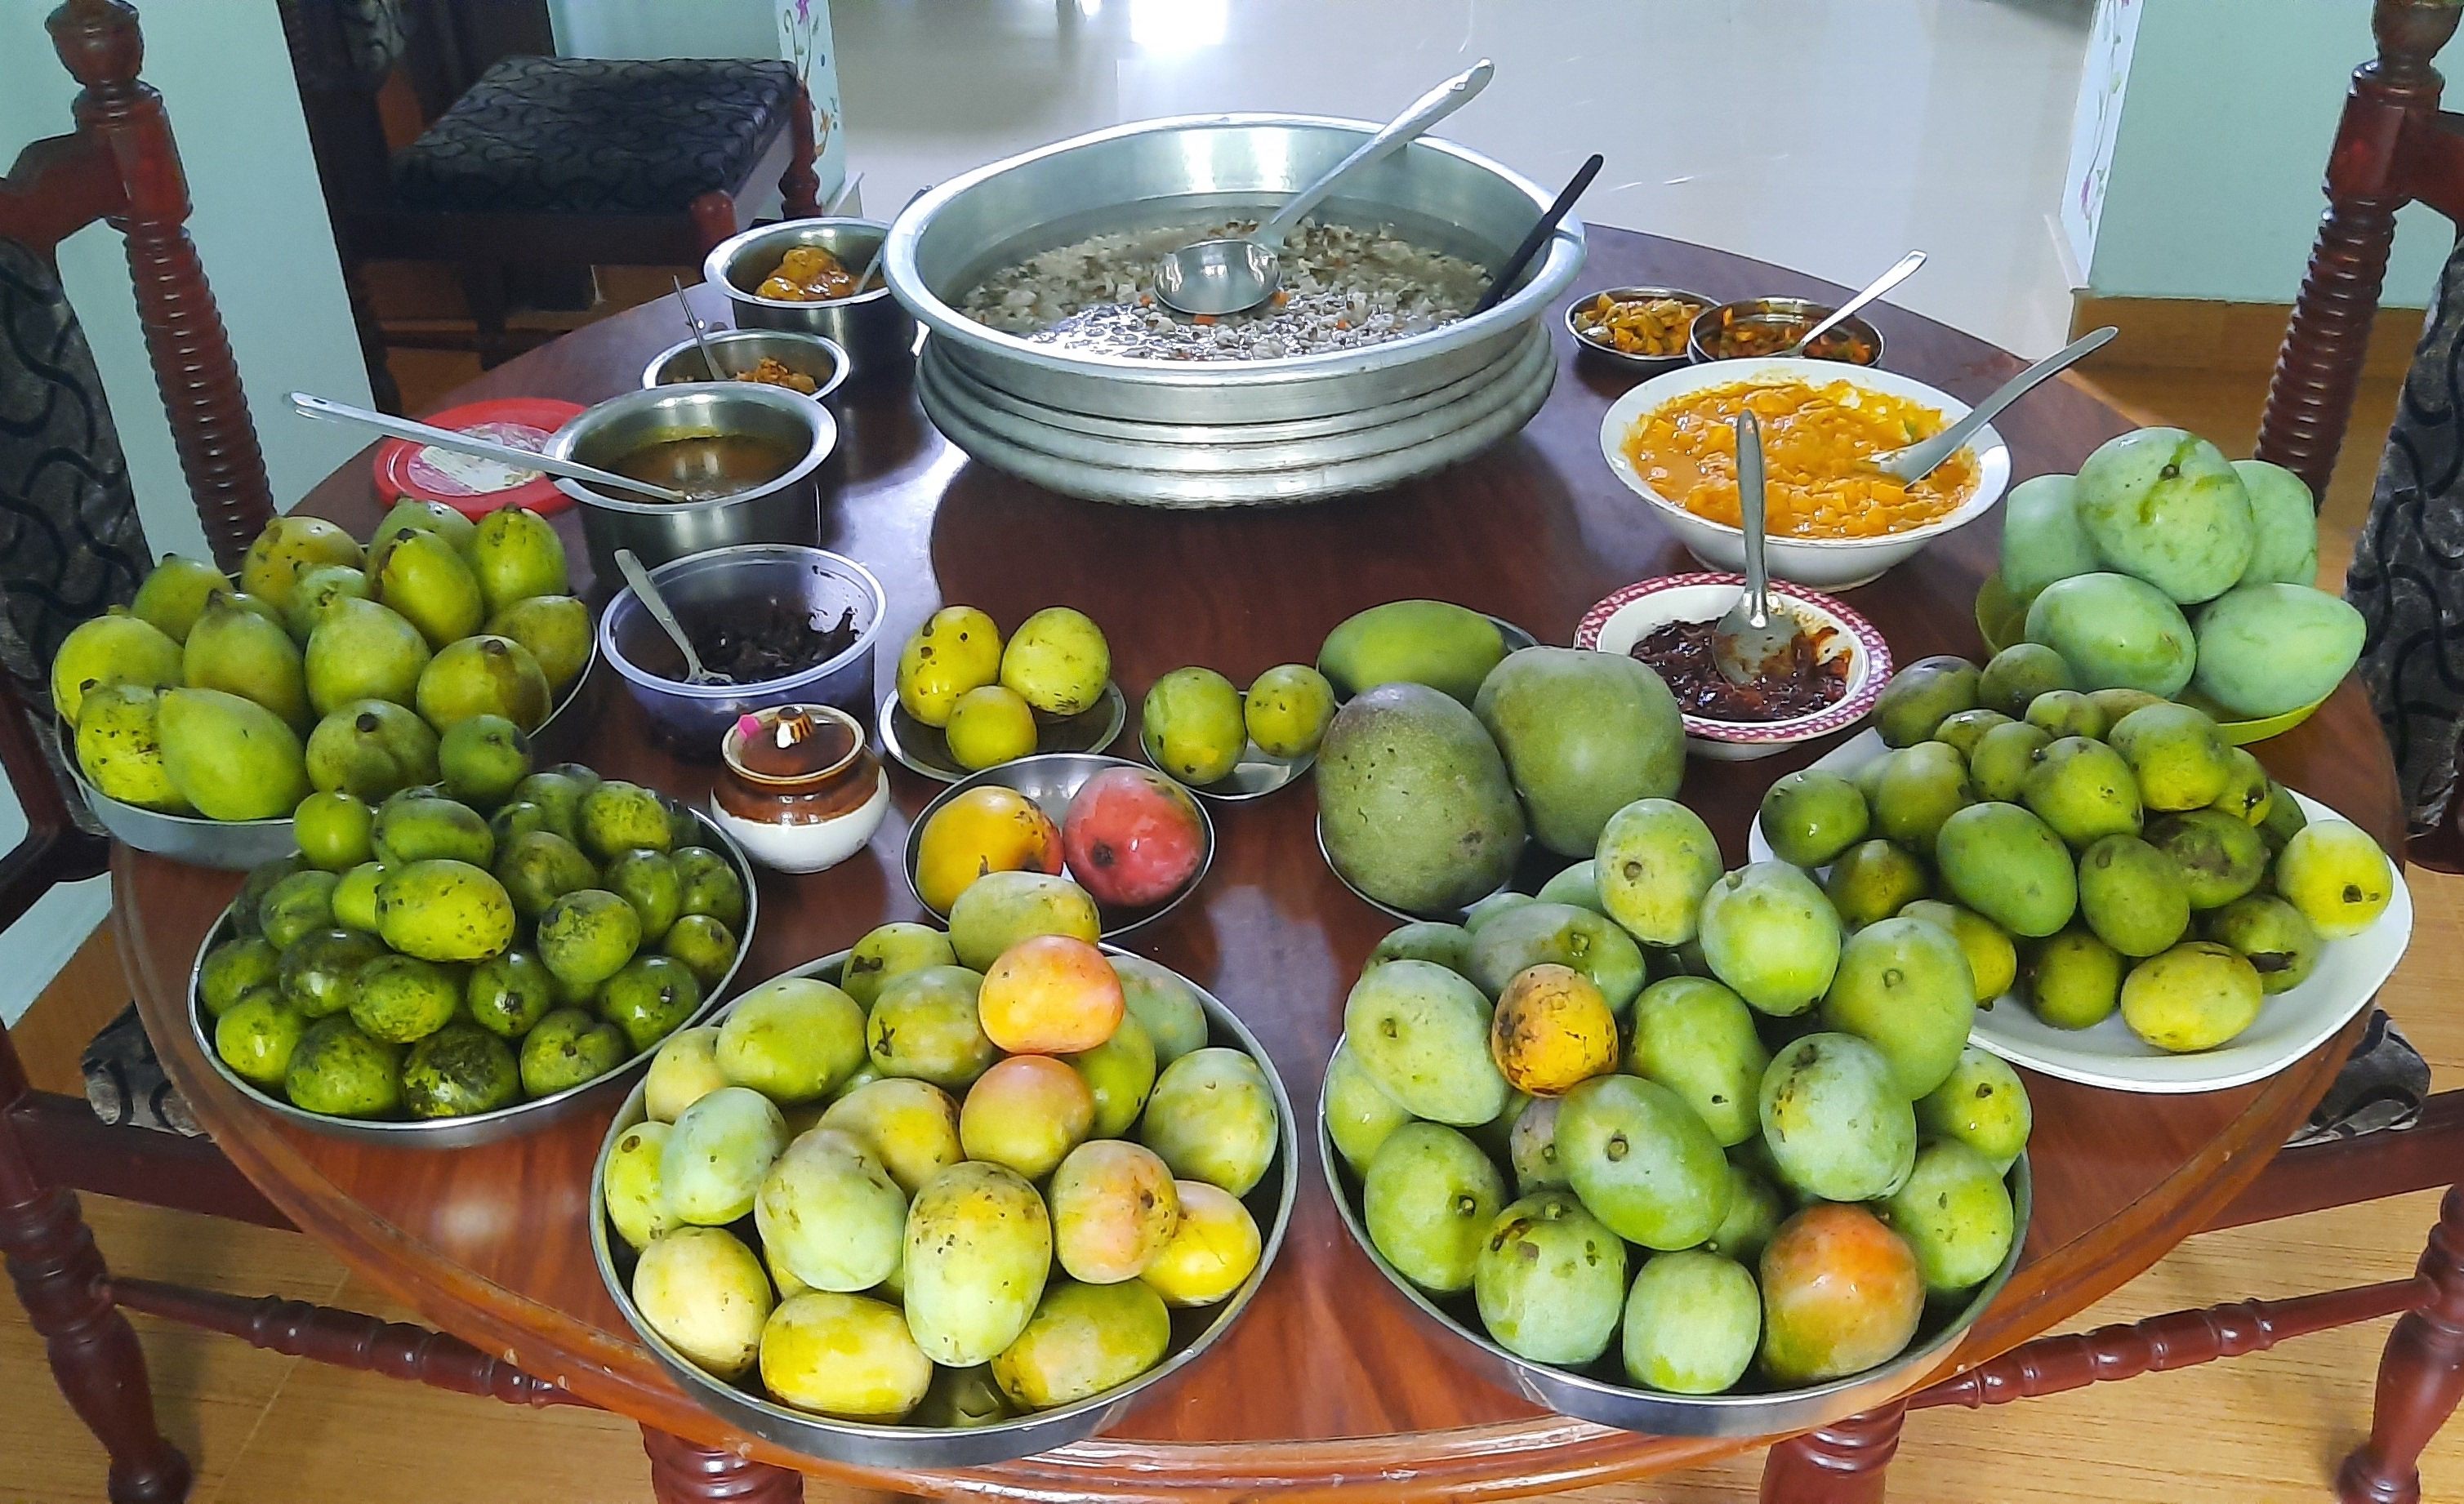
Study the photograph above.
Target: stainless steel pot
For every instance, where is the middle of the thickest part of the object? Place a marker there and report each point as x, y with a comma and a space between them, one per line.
1182, 172
816, 356
877, 334
786, 509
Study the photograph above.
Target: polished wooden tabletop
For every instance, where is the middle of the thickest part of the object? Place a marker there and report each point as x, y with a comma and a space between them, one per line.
1329, 1382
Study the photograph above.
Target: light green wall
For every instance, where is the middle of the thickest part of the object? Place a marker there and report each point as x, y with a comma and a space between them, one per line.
260, 227
2224, 135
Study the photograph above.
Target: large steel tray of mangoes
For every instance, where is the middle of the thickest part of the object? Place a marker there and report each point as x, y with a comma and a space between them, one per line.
479, 1127
1600, 1392
875, 1445
238, 845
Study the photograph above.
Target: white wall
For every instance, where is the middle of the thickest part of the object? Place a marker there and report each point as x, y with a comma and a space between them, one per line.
2215, 187
260, 227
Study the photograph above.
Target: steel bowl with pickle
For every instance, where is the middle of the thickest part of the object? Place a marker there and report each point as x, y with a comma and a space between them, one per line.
926, 1278
484, 977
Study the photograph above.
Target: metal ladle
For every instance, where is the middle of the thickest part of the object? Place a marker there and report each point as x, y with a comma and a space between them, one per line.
429, 433
1756, 631
1214, 278
630, 565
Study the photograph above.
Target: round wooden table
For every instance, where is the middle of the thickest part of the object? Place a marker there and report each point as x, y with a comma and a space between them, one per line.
1330, 1383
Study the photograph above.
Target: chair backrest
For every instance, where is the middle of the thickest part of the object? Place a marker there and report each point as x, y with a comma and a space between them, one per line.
2393, 146
74, 522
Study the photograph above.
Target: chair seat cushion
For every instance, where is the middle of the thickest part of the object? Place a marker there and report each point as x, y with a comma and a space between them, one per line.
594, 135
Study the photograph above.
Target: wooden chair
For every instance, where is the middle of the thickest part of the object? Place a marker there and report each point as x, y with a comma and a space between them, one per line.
569, 162
120, 165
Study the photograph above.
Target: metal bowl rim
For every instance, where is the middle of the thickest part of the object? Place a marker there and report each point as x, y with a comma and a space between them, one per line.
1544, 281
1534, 1378
1095, 1409
989, 777
839, 563
840, 364
713, 265
817, 453
498, 1122
204, 826
1702, 302
884, 722
1812, 310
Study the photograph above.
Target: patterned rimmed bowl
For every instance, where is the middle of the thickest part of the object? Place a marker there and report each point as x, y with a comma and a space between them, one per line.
1628, 615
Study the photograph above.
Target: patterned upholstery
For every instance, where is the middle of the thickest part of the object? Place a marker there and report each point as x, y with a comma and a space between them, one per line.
587, 135
70, 540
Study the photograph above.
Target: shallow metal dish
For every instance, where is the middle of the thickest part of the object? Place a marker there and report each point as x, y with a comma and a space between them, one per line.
874, 1446
817, 356
1795, 315
925, 750
238, 845
1257, 774
479, 1127
1644, 364
1052, 779
1609, 1400
1182, 172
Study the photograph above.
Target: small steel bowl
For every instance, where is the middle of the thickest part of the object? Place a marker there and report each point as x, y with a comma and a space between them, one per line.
479, 1127
871, 1444
1646, 364
697, 716
876, 333
238, 845
1258, 774
926, 750
1052, 779
786, 509
1794, 315
816, 356
1599, 1393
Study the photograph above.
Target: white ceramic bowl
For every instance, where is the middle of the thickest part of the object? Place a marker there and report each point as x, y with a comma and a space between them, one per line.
1826, 564
1629, 614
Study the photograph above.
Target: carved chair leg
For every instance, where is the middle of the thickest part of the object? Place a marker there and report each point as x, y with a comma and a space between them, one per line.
799, 189
2421, 1375
483, 290
94, 1358
714, 218
682, 1472
1841, 1464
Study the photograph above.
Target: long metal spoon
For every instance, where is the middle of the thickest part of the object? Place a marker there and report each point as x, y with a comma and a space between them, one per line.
701, 340
1919, 460
630, 565
417, 432
1901, 271
863, 278
1240, 272
1504, 282
1755, 631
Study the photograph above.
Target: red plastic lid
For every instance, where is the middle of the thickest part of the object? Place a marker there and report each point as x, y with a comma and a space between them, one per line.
476, 487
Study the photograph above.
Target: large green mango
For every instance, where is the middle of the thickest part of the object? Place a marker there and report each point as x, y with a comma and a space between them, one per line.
2284, 518
2115, 632
2164, 505
231, 759
1413, 804
2267, 649
1584, 735
1431, 642
2042, 541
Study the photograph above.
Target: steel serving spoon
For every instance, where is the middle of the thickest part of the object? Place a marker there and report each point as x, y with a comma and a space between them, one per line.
1918, 460
1755, 631
1901, 271
629, 565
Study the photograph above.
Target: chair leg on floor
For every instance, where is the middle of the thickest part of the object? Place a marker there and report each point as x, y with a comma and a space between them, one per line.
682, 1472
483, 290
1841, 1464
94, 1358
2421, 1375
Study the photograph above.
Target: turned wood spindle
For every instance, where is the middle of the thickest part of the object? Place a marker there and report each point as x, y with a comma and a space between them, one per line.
1842, 1463
684, 1473
2421, 1375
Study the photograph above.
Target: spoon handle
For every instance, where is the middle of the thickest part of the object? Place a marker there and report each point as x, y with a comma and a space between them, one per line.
1751, 517
701, 335
629, 565
1904, 269
1425, 111
416, 433
1504, 282
1919, 460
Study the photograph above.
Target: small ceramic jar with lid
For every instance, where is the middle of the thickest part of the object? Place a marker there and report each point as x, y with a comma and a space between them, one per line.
800, 791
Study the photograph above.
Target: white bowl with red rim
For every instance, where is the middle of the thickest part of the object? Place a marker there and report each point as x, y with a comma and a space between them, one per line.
1634, 612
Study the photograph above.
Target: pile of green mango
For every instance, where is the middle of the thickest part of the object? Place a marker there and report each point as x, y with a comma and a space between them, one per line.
1451, 752
940, 1233
463, 945
2102, 849
1678, 1113
2163, 567
324, 665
